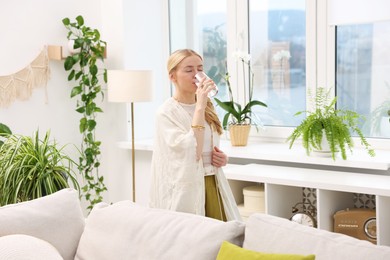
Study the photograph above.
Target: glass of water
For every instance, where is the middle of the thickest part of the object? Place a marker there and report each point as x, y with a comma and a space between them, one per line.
201, 75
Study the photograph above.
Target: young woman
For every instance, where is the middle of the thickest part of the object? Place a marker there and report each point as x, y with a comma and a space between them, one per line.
186, 164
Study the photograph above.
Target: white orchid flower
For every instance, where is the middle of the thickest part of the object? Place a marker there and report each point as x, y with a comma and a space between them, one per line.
241, 56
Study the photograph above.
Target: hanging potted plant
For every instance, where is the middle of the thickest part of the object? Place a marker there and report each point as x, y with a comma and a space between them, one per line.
83, 68
238, 119
328, 126
31, 167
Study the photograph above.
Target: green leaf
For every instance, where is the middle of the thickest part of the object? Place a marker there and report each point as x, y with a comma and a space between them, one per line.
93, 70
80, 110
83, 125
66, 21
76, 91
98, 110
75, 58
78, 75
105, 80
80, 20
71, 75
68, 64
91, 124
4, 129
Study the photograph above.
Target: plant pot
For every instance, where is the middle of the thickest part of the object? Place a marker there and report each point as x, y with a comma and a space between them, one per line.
385, 127
239, 134
325, 151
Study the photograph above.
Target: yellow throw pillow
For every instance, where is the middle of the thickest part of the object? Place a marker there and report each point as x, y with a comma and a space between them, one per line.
229, 251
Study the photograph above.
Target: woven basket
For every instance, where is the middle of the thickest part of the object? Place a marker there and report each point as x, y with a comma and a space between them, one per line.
239, 134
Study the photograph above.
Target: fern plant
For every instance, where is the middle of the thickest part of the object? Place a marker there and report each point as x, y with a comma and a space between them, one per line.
336, 124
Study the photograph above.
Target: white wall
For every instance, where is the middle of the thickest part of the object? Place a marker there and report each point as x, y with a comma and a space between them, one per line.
26, 26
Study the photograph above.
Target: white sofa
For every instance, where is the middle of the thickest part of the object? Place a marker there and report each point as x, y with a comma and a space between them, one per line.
53, 227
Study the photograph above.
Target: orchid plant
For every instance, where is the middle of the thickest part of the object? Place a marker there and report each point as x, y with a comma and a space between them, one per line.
235, 113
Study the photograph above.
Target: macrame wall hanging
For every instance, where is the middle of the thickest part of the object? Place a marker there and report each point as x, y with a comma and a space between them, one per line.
19, 85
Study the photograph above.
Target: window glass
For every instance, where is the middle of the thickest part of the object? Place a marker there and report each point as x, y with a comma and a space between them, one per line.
201, 25
277, 40
362, 74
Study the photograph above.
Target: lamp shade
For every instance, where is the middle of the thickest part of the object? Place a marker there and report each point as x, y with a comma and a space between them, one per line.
129, 85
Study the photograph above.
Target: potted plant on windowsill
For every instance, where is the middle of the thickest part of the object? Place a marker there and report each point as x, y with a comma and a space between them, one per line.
238, 119
330, 124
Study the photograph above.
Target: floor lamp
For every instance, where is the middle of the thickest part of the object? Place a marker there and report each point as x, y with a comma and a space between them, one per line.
130, 86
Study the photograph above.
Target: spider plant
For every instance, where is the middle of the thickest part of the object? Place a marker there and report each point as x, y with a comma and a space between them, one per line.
31, 168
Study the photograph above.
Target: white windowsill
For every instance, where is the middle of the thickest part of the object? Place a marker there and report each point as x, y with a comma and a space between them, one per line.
280, 152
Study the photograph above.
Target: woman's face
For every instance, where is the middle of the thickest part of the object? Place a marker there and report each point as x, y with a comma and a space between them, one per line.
184, 75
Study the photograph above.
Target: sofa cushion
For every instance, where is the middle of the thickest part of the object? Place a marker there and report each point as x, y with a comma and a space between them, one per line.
230, 251
56, 218
126, 230
272, 234
20, 247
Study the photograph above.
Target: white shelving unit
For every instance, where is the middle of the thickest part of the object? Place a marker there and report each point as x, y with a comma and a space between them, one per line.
334, 190
285, 172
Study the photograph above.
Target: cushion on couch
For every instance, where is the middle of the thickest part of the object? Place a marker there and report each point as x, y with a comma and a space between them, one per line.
126, 230
56, 218
266, 233
24, 247
230, 251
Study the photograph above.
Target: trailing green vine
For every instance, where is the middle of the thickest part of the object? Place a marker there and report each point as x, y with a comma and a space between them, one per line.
83, 69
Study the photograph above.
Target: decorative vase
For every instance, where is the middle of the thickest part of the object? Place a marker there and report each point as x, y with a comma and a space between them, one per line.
239, 134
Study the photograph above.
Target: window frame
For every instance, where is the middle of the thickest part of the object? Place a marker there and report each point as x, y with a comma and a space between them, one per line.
320, 58
328, 76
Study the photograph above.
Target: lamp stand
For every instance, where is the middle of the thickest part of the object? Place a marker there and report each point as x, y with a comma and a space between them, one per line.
132, 149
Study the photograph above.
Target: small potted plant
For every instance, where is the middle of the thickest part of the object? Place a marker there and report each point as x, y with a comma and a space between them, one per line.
330, 124
238, 119
31, 168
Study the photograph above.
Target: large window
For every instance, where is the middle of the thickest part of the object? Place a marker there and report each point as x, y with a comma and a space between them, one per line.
362, 74
278, 48
295, 45
201, 25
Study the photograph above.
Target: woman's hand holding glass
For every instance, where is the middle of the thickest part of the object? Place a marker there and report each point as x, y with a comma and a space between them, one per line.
203, 81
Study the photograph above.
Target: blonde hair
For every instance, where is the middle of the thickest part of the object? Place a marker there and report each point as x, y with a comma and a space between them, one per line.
210, 114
